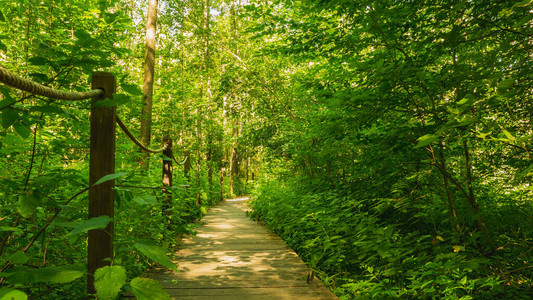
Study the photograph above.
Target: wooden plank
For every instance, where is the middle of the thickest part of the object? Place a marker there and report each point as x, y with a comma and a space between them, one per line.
272, 292
252, 282
232, 257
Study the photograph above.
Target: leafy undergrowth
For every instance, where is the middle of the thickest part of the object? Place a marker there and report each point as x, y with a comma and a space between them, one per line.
381, 248
54, 266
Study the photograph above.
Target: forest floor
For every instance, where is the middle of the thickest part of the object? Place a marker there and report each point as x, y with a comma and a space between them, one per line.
232, 257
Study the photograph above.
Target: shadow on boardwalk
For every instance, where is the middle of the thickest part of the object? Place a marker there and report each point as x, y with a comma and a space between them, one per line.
233, 257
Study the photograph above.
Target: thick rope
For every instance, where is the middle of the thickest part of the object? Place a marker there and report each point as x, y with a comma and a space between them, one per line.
41, 90
136, 141
179, 163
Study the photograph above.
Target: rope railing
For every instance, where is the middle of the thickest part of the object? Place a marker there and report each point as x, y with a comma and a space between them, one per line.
102, 159
179, 163
136, 141
38, 89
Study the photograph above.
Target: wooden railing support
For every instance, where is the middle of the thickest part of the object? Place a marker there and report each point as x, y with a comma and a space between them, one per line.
101, 163
167, 178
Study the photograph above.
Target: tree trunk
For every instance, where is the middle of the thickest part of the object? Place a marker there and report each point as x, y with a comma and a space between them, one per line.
148, 83
187, 165
167, 180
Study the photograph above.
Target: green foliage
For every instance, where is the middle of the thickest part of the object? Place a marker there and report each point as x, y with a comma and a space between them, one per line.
148, 289
109, 177
156, 253
53, 274
92, 223
108, 281
12, 294
346, 243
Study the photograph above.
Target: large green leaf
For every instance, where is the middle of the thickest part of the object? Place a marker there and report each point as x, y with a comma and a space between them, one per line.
18, 257
132, 89
60, 274
108, 281
12, 294
47, 109
22, 130
38, 61
155, 253
9, 116
54, 274
92, 223
27, 204
148, 289
8, 228
426, 140
109, 177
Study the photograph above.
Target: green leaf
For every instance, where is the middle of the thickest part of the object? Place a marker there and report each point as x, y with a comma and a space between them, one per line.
467, 121
47, 109
465, 101
27, 204
145, 200
454, 111
164, 157
38, 61
12, 294
82, 35
22, 130
524, 3
93, 223
155, 253
508, 134
148, 289
109, 177
60, 274
54, 274
18, 276
132, 89
2, 18
19, 257
14, 229
505, 84
108, 281
9, 116
425, 140
483, 135
3, 46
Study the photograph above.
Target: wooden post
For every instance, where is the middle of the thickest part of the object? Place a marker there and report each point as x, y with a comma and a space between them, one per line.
167, 178
102, 162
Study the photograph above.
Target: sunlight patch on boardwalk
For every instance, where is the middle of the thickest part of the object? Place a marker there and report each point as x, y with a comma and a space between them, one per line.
232, 257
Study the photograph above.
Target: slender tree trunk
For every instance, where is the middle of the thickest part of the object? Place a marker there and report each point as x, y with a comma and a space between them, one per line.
234, 159
209, 160
471, 197
167, 180
187, 165
148, 83
449, 197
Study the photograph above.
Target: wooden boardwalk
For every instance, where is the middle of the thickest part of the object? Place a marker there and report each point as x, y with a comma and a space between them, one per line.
233, 257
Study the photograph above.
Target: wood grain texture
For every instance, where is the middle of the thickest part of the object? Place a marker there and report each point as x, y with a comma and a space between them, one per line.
101, 163
232, 257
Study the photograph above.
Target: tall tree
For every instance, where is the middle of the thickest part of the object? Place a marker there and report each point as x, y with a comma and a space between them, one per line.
148, 83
